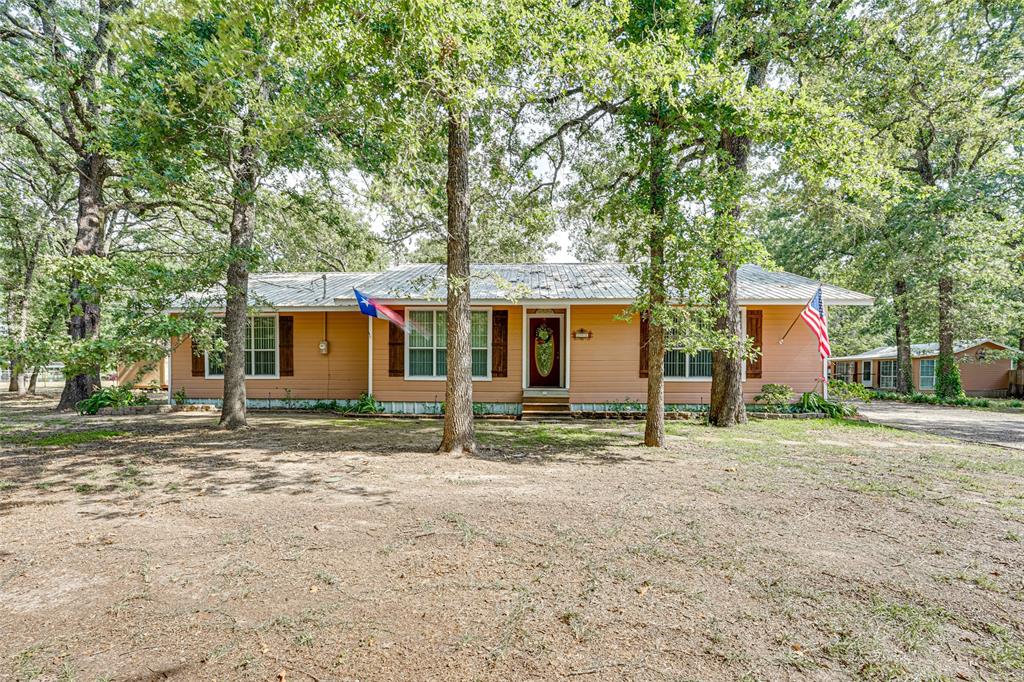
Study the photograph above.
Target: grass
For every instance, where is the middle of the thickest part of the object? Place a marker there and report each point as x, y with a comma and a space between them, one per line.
64, 439
1006, 653
592, 558
915, 625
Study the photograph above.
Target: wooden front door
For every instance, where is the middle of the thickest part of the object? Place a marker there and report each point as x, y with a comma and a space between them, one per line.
545, 344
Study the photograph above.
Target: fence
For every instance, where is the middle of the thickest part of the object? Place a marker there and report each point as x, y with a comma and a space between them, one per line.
1017, 383
49, 377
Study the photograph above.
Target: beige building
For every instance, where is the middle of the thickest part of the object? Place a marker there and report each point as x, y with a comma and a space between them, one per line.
984, 367
545, 337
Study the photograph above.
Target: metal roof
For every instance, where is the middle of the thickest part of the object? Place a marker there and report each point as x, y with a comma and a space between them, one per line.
587, 282
594, 282
291, 290
918, 350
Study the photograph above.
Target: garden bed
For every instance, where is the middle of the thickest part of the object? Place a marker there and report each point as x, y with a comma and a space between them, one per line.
153, 409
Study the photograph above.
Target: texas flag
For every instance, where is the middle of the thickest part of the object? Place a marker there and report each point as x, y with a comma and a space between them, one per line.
368, 306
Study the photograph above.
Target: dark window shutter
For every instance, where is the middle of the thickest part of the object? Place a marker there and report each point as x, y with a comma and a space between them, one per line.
396, 351
286, 345
755, 331
499, 343
645, 331
198, 361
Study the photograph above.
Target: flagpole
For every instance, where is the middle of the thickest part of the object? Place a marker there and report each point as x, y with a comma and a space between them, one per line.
824, 361
798, 314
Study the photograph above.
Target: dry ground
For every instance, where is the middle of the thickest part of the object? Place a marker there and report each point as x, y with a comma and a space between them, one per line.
317, 547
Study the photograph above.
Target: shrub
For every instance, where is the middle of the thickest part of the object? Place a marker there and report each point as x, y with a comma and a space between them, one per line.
180, 397
367, 404
111, 396
844, 391
774, 396
812, 402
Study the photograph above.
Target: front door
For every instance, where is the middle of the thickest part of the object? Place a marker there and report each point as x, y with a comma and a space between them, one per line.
545, 343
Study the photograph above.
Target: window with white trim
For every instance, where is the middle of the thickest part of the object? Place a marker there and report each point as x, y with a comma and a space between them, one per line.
680, 365
927, 375
887, 374
427, 344
261, 359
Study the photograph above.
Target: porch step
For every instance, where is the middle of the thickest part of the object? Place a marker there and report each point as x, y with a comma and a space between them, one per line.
546, 416
546, 400
546, 407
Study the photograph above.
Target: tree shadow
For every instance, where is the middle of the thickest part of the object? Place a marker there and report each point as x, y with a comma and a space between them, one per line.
169, 458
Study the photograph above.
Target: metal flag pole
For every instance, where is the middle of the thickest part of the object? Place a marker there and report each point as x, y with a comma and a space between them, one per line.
798, 314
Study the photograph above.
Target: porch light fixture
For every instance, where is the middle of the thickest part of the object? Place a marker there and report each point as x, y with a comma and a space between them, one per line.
583, 334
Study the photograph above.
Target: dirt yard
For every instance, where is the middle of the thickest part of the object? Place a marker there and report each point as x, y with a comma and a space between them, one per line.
313, 547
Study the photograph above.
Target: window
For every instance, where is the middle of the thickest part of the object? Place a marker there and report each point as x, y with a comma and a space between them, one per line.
427, 344
844, 371
260, 350
927, 375
866, 372
680, 365
887, 374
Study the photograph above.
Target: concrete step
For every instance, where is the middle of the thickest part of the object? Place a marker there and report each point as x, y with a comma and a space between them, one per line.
545, 407
546, 415
546, 399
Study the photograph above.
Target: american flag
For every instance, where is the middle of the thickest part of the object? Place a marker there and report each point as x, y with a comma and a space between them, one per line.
814, 316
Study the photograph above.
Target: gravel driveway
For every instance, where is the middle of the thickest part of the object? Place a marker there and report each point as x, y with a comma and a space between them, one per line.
977, 426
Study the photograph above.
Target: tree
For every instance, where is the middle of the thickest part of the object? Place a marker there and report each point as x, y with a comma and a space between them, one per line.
35, 219
449, 60
54, 60
314, 227
686, 90
942, 114
216, 93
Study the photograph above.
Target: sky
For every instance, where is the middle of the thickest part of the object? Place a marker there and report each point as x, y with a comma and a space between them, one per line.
563, 255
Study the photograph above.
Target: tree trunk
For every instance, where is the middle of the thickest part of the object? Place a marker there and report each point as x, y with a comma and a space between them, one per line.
654, 431
18, 382
947, 372
236, 310
459, 435
727, 408
84, 322
32, 381
904, 369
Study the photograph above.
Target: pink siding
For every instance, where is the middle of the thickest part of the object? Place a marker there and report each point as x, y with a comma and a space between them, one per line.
606, 367
497, 390
977, 375
341, 374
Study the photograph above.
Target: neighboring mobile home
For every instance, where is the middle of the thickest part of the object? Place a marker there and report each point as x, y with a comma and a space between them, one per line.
984, 371
547, 335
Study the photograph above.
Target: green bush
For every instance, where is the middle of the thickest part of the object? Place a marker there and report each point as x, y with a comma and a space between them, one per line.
774, 396
111, 396
844, 391
812, 402
366, 404
180, 397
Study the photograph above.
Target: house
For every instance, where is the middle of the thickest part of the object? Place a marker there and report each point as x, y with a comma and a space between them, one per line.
984, 371
149, 374
548, 337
